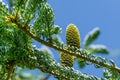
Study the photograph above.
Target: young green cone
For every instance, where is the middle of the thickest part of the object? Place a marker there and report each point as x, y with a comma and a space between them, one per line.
72, 39
72, 36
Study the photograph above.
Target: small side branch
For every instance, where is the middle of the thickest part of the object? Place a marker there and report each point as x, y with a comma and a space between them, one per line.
10, 68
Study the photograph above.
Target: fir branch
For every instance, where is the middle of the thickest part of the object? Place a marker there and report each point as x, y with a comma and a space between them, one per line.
45, 63
77, 54
3, 11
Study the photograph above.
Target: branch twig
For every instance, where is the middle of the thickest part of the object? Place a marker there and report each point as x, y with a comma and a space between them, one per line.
10, 69
78, 55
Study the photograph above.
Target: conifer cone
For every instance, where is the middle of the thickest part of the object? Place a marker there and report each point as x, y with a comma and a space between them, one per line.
72, 39
72, 36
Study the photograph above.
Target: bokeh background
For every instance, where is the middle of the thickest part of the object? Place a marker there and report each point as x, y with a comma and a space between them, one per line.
86, 15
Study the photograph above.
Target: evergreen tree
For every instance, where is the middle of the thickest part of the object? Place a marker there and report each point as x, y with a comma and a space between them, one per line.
26, 20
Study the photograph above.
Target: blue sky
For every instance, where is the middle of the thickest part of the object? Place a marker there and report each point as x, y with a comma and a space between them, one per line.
88, 14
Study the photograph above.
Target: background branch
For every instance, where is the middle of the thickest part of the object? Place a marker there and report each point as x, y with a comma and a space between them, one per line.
47, 64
